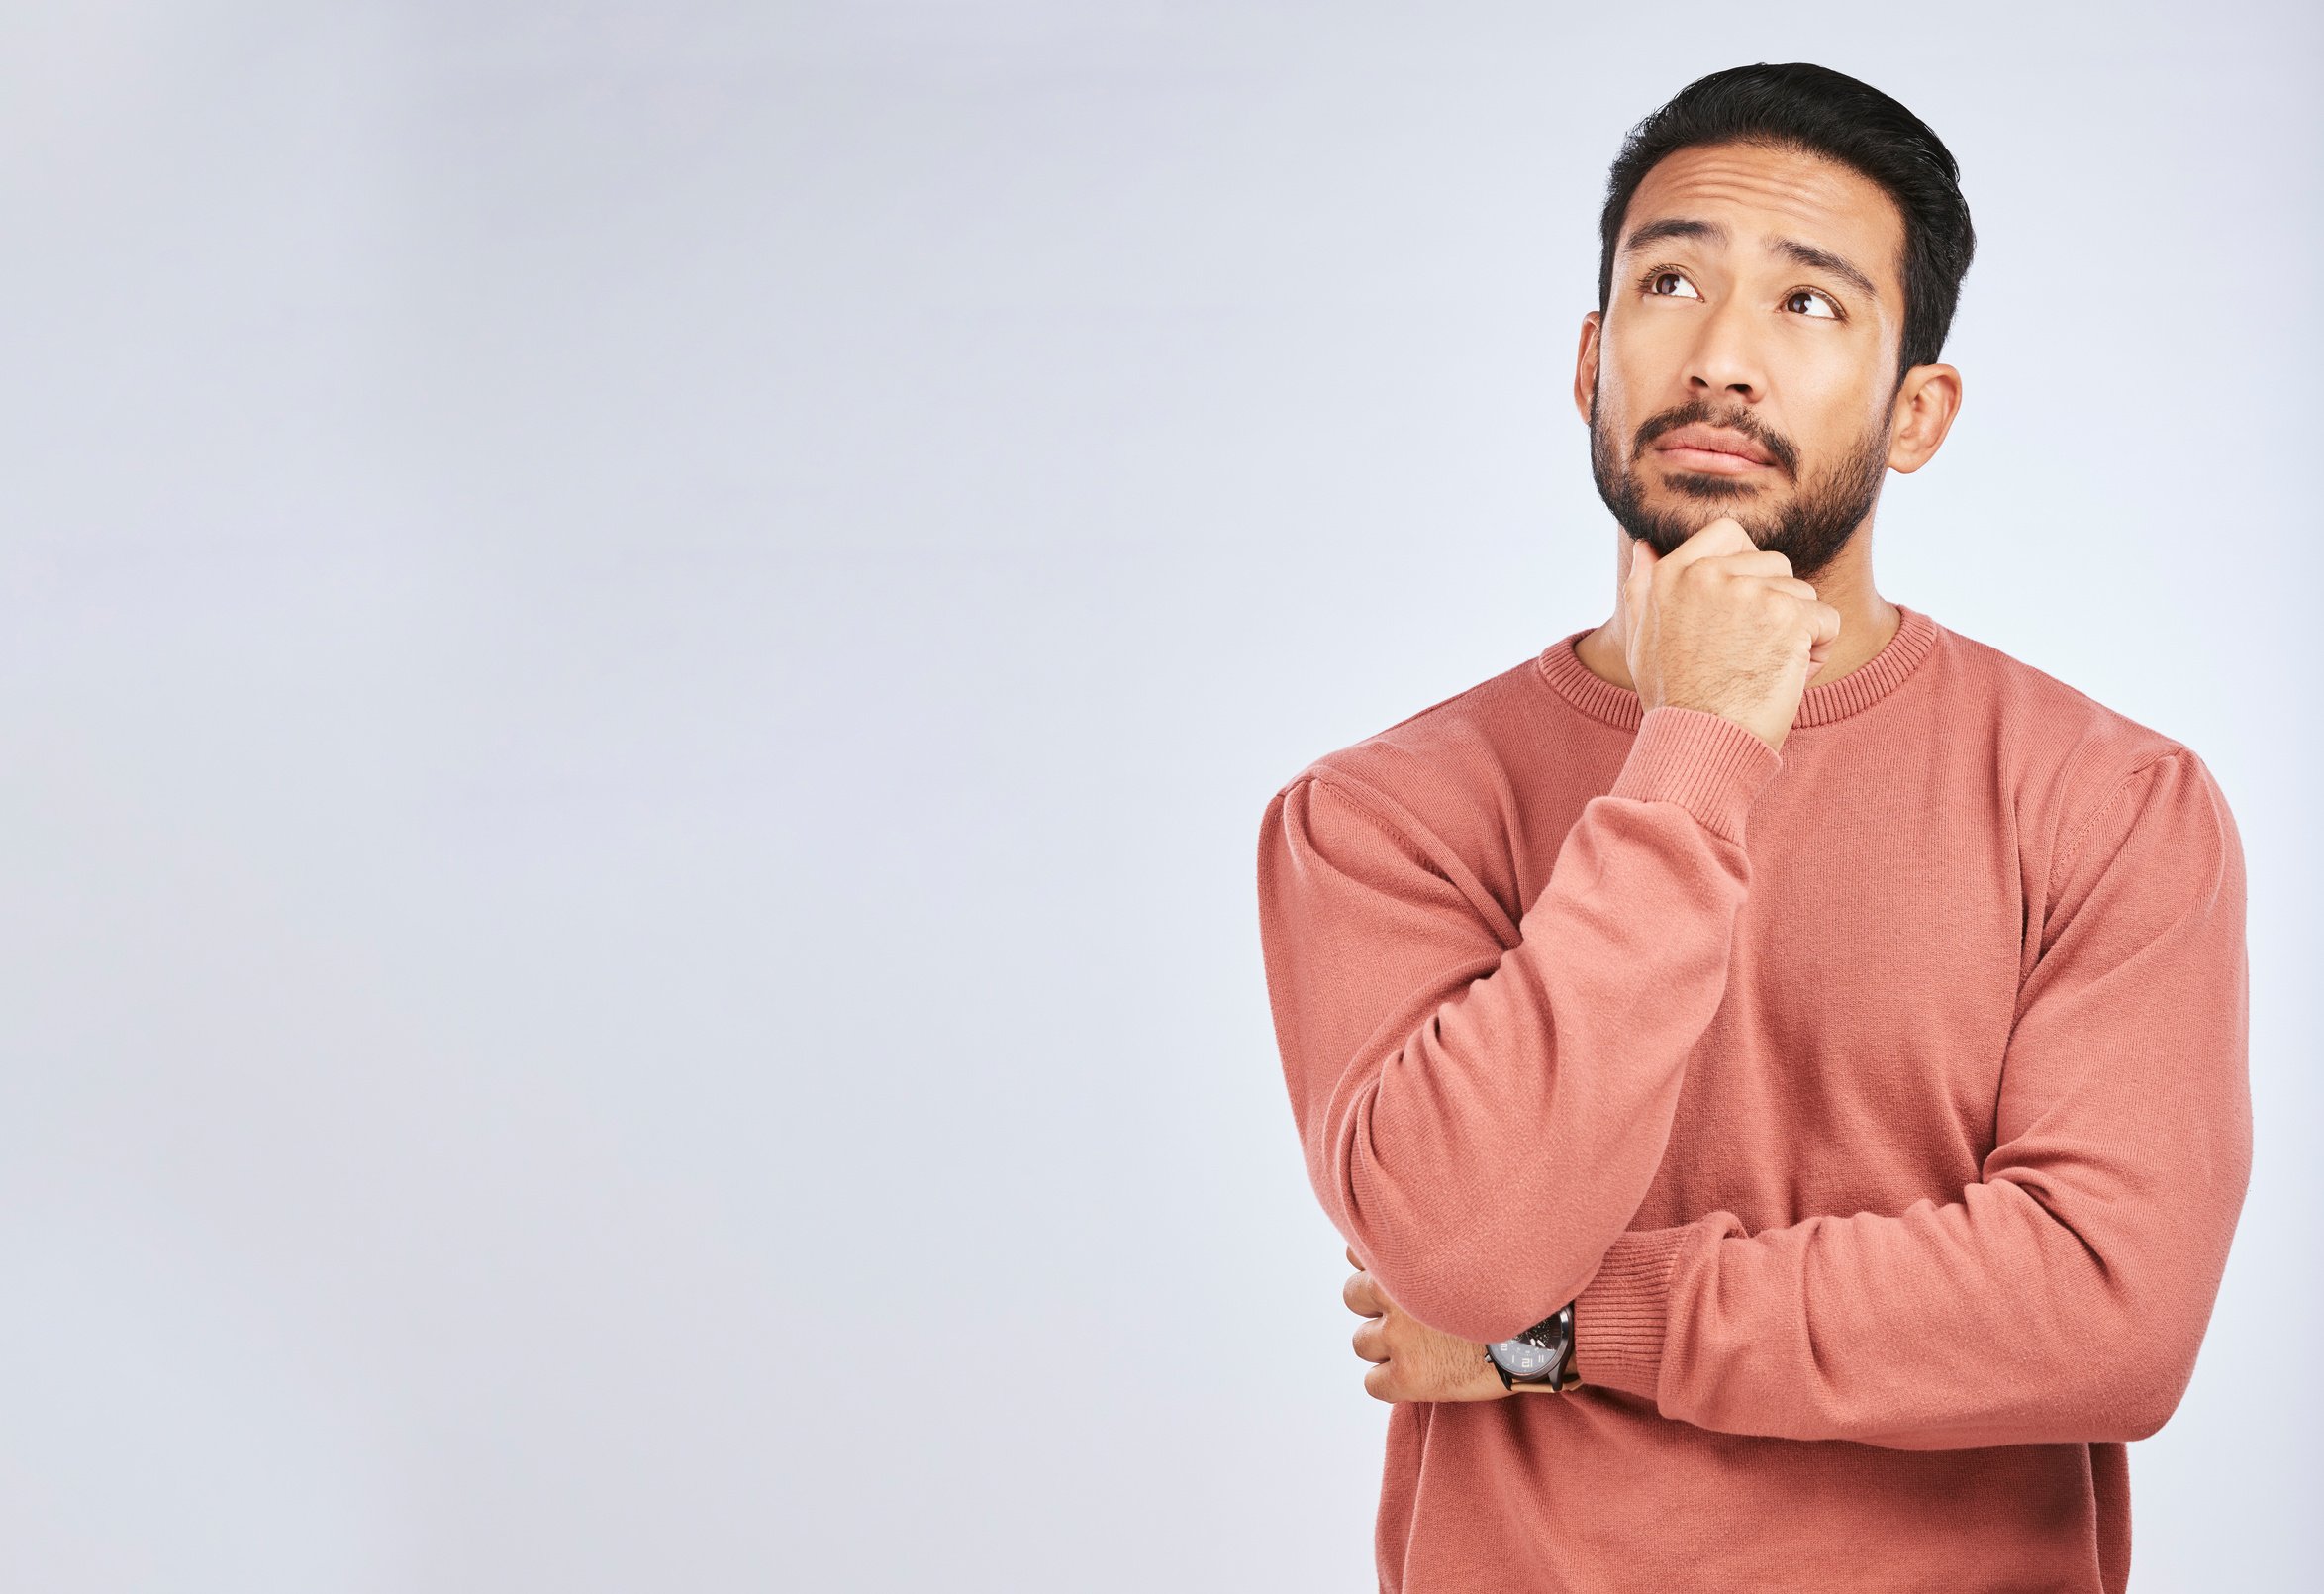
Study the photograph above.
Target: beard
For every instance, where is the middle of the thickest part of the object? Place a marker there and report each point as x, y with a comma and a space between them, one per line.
1810, 529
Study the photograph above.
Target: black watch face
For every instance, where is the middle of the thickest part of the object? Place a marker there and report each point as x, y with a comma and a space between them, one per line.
1522, 1358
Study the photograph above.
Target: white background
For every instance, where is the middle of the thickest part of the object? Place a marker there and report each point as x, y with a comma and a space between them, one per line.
640, 652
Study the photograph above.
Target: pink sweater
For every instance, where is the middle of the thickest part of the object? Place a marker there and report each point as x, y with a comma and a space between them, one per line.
1884, 1104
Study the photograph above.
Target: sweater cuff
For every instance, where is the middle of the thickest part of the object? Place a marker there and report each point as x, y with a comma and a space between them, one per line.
1705, 762
1620, 1316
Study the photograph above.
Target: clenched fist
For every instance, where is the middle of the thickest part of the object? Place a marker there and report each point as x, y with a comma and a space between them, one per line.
1723, 626
1414, 1360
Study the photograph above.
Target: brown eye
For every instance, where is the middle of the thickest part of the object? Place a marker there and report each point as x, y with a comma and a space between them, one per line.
1829, 312
1654, 285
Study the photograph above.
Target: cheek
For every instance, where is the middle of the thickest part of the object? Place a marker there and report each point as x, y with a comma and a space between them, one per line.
1622, 400
1835, 436
1829, 384
1827, 407
1645, 357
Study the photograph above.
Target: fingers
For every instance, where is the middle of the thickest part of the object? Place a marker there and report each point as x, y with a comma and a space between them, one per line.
1721, 546
1639, 572
1770, 564
1370, 1341
1825, 621
1410, 1361
1772, 571
1643, 558
1358, 1292
1720, 536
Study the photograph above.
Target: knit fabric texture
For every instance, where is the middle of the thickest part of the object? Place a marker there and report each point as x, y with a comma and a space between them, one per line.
1881, 1105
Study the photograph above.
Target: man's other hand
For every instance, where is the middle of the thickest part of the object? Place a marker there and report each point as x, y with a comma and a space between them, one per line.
1414, 1361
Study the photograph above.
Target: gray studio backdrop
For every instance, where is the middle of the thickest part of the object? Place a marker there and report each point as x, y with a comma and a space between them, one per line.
642, 645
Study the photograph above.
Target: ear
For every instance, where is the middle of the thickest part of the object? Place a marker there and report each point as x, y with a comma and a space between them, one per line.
1585, 363
1924, 413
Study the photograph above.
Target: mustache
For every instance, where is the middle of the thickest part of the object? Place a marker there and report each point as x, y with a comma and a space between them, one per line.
1698, 413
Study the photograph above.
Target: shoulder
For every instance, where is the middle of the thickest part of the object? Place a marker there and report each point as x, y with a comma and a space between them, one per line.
1440, 762
1443, 785
2071, 732
2077, 769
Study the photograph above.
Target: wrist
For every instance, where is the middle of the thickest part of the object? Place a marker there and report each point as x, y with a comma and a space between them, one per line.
1538, 1358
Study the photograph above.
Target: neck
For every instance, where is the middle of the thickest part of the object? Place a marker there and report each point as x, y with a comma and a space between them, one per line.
1867, 620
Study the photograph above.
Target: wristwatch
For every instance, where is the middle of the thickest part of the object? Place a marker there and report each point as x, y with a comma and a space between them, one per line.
1541, 1357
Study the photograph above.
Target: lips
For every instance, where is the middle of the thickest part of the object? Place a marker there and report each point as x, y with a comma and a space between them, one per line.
1714, 439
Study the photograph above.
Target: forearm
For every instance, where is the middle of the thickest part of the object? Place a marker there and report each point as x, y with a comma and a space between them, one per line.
2064, 1294
1488, 1139
1983, 1322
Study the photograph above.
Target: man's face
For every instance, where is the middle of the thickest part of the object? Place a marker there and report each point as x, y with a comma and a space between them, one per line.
1757, 304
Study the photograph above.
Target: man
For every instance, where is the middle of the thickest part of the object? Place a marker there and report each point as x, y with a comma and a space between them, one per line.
1778, 1063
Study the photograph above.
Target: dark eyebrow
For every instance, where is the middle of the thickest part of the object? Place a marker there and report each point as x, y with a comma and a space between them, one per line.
1816, 260
1674, 227
1791, 248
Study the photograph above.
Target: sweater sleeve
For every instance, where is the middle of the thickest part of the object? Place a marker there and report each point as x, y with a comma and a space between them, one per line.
1483, 1105
2063, 1295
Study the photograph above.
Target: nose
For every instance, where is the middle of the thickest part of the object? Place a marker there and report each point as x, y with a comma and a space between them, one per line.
1725, 359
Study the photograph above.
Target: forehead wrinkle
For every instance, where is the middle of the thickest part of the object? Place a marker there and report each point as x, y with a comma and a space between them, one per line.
1789, 203
1806, 189
1806, 186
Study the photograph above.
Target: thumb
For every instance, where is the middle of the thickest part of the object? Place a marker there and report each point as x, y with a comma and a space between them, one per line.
1643, 560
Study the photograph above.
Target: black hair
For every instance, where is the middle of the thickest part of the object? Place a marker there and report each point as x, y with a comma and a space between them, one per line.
1813, 109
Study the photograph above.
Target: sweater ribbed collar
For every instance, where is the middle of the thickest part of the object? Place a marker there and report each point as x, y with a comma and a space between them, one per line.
1820, 704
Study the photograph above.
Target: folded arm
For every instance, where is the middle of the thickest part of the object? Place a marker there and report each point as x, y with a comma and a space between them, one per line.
1483, 1105
2063, 1295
